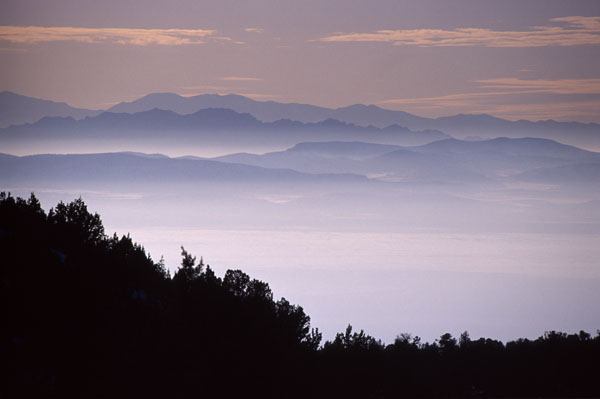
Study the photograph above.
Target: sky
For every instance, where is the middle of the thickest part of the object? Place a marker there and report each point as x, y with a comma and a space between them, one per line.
535, 59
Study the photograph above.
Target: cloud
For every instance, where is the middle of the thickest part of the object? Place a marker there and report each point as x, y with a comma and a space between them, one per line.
569, 31
559, 86
138, 37
565, 111
239, 79
505, 86
505, 98
254, 30
485, 103
460, 99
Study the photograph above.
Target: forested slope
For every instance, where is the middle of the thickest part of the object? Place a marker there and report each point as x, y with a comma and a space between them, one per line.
91, 315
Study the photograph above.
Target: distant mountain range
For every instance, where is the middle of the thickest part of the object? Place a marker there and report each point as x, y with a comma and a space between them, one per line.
134, 169
18, 109
461, 126
213, 126
450, 160
446, 161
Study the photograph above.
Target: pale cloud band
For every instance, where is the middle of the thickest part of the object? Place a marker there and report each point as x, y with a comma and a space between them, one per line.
495, 103
509, 86
559, 86
575, 31
139, 37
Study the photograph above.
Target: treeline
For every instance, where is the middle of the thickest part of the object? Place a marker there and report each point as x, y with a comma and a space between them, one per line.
90, 315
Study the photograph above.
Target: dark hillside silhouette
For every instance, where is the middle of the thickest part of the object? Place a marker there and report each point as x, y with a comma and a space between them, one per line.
91, 315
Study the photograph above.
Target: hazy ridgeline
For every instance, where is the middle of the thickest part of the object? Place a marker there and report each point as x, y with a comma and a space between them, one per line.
218, 125
158, 117
92, 315
497, 237
397, 199
346, 211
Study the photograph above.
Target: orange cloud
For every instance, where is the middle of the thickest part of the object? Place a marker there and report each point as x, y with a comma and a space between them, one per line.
575, 31
138, 37
254, 30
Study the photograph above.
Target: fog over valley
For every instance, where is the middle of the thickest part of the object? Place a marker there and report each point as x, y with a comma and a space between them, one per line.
300, 199
364, 226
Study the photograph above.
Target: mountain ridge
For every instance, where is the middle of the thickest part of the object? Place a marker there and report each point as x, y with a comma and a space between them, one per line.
16, 109
463, 125
460, 125
207, 127
136, 168
443, 160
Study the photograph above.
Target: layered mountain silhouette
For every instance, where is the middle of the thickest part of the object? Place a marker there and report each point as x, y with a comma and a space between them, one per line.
133, 169
447, 160
444, 161
213, 126
16, 109
496, 185
460, 126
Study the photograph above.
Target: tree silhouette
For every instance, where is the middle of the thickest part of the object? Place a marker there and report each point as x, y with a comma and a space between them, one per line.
80, 224
447, 342
189, 271
87, 315
354, 341
236, 282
